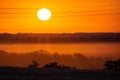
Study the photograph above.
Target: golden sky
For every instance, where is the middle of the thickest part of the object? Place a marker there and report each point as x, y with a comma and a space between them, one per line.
68, 16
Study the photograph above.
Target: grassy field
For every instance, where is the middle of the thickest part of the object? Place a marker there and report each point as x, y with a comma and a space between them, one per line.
19, 73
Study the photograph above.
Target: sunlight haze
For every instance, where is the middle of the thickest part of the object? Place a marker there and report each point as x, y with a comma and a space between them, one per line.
68, 16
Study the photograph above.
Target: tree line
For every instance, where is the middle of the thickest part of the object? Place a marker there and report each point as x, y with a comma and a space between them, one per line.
111, 65
58, 38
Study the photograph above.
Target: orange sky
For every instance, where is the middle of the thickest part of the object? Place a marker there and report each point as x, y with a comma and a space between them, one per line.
20, 16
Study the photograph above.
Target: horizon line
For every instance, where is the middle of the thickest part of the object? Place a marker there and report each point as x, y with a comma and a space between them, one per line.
59, 33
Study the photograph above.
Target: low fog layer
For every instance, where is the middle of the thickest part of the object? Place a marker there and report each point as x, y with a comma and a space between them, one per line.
76, 60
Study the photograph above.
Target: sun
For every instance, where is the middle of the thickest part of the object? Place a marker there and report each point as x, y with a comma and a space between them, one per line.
44, 14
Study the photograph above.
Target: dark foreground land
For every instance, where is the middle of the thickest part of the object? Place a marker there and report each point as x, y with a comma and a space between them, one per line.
19, 73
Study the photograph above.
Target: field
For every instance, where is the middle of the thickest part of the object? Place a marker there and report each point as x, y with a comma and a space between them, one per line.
21, 73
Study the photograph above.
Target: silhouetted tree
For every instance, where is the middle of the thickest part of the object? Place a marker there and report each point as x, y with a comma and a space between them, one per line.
33, 65
65, 67
112, 65
109, 65
117, 65
56, 65
52, 65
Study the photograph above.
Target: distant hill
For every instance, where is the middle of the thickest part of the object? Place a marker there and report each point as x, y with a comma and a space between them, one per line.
58, 38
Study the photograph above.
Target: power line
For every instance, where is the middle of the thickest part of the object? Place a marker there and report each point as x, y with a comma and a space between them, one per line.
18, 8
66, 11
64, 16
89, 11
71, 7
88, 14
17, 13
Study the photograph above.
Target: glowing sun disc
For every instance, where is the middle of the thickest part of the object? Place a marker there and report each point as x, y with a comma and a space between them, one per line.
44, 14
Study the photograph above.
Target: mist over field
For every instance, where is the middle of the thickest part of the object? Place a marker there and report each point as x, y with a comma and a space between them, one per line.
76, 60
